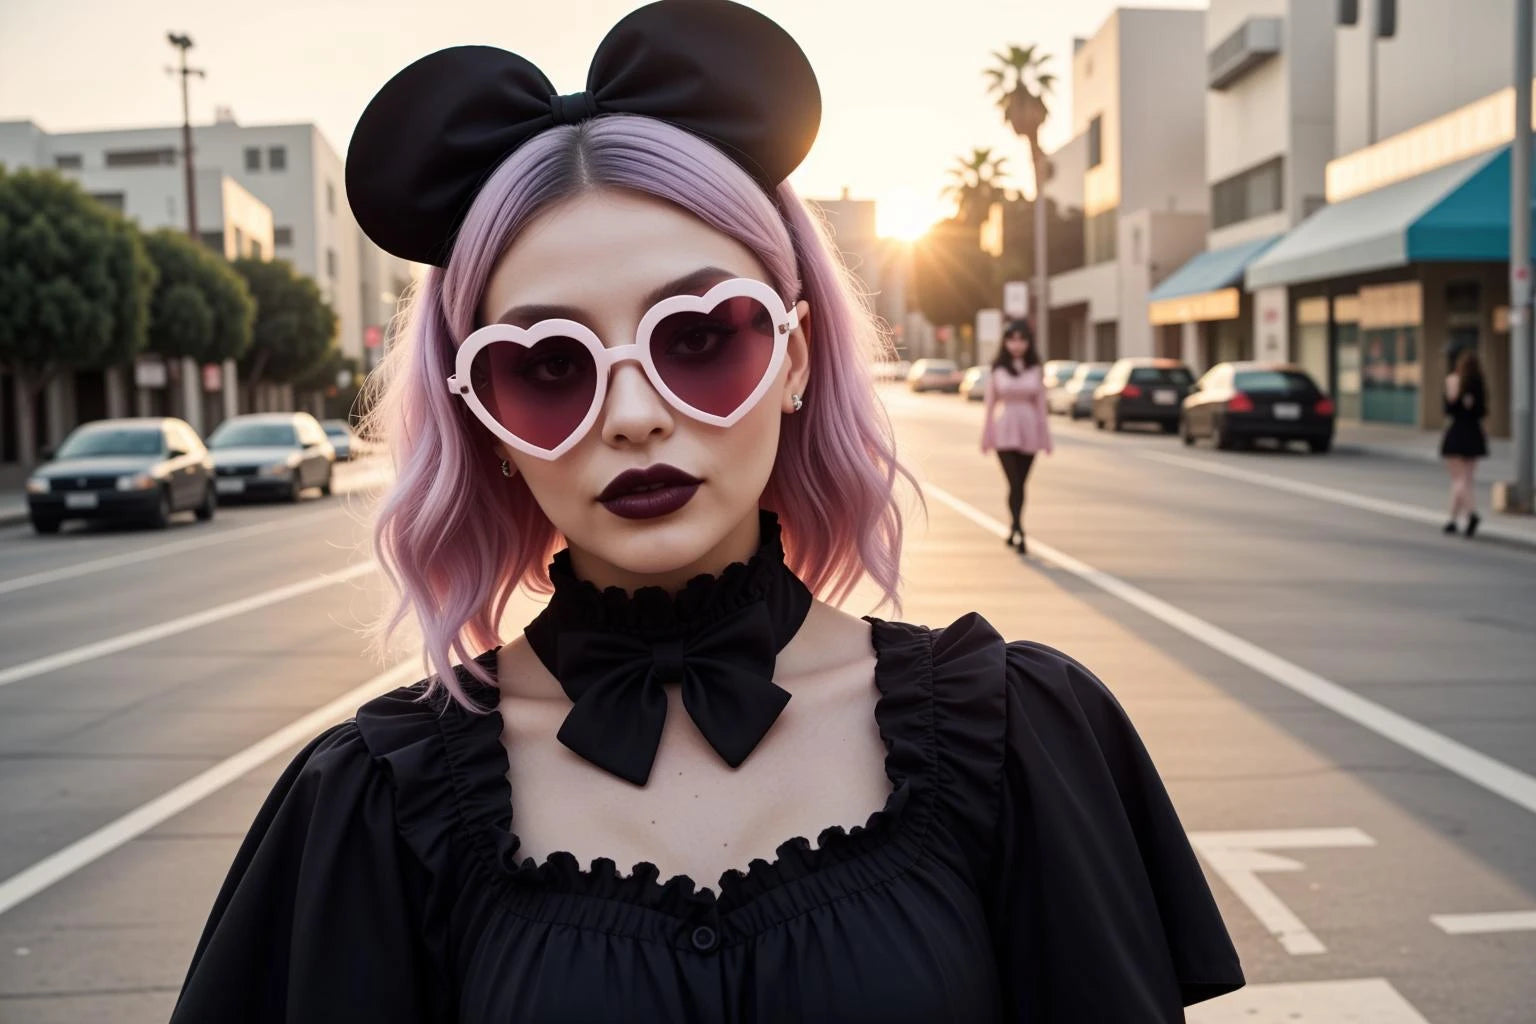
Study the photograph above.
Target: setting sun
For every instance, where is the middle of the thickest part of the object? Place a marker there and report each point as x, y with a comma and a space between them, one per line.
906, 214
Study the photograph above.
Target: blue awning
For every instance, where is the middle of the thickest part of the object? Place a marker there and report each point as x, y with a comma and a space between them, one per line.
1456, 213
1212, 271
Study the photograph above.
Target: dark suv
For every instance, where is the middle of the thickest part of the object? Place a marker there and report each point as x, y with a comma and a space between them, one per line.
1142, 390
140, 469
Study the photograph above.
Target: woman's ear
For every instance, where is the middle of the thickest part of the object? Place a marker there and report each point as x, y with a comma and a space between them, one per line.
798, 357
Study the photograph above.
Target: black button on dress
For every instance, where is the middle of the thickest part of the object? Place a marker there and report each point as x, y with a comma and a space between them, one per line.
1027, 867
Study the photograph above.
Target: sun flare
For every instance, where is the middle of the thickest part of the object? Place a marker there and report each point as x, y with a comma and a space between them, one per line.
906, 214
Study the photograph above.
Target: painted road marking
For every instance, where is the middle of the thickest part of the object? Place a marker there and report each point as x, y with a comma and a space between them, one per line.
1238, 857
1476, 767
1357, 1001
1482, 924
72, 858
149, 634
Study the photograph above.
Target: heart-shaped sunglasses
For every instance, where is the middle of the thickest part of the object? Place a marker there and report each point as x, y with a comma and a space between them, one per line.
711, 356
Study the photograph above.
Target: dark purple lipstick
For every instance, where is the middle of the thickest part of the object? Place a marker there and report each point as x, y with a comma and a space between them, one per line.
650, 492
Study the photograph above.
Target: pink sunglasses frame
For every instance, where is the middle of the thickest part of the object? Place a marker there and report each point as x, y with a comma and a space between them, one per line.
605, 358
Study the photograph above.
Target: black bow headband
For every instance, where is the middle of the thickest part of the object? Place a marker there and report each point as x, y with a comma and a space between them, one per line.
434, 133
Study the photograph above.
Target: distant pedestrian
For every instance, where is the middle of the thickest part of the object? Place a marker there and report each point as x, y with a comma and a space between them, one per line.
1022, 430
1466, 403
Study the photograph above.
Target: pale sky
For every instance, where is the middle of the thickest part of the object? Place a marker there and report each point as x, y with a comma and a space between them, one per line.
901, 80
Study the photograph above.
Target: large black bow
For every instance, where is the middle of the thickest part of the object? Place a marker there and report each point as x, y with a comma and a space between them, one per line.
617, 681
432, 135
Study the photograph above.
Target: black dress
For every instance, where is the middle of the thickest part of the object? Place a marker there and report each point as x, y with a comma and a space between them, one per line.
1027, 866
1464, 433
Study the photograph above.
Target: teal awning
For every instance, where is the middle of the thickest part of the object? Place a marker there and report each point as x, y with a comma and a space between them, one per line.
1453, 214
1212, 270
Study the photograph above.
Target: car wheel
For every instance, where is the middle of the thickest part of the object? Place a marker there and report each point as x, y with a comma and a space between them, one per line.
46, 524
1114, 422
160, 518
1224, 439
1319, 445
1098, 424
1170, 426
325, 485
1184, 434
294, 488
209, 504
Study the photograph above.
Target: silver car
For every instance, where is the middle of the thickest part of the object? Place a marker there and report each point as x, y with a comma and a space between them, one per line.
1075, 397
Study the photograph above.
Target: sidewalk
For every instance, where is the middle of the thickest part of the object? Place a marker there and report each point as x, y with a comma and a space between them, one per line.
1421, 446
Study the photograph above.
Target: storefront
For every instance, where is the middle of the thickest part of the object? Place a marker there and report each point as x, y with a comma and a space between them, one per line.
1387, 288
1200, 312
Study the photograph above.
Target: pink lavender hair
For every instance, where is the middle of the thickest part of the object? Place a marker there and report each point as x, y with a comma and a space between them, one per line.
456, 538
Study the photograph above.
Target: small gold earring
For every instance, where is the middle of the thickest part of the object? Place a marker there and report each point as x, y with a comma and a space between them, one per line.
797, 402
506, 468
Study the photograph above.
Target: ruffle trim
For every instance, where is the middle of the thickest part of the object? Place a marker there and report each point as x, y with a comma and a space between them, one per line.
436, 752
655, 612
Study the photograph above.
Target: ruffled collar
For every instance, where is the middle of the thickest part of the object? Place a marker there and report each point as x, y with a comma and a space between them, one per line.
613, 653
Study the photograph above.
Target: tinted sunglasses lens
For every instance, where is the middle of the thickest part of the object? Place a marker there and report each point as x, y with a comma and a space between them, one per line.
540, 394
714, 360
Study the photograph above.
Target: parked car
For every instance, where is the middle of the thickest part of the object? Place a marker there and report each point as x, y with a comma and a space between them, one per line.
344, 439
1075, 396
127, 469
271, 454
890, 369
934, 375
1237, 403
974, 384
1055, 373
1141, 390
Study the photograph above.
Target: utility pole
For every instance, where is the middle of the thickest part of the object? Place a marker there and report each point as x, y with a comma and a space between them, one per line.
1520, 265
1042, 272
183, 43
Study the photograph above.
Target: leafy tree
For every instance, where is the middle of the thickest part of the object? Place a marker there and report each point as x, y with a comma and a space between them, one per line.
975, 182
294, 324
75, 284
201, 308
952, 276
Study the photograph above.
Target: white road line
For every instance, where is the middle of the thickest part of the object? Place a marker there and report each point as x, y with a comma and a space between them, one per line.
1479, 924
1495, 776
69, 572
149, 634
1239, 857
1358, 1000
72, 858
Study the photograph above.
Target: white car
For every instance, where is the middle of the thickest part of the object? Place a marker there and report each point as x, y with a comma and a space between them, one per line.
934, 375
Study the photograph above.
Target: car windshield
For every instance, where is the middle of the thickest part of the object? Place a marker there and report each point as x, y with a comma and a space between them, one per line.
335, 429
84, 444
1092, 375
1175, 375
936, 366
1275, 382
254, 435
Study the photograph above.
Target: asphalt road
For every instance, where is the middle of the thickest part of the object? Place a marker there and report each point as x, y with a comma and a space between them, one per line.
1341, 699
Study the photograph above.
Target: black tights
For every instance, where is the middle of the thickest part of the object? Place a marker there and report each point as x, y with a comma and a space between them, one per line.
1016, 468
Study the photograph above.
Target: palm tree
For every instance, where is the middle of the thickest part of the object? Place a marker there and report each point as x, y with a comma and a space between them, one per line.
975, 182
1019, 82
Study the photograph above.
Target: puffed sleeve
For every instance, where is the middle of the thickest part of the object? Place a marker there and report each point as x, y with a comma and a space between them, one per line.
1101, 914
317, 922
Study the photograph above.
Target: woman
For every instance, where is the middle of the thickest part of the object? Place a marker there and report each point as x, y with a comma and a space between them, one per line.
1023, 429
1466, 403
633, 342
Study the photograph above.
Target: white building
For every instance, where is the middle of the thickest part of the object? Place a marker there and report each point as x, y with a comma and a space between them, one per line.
1138, 108
1269, 132
879, 266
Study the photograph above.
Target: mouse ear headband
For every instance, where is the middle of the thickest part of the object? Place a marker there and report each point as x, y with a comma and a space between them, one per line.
432, 135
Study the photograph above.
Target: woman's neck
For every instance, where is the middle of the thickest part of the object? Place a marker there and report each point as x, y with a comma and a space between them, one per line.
737, 545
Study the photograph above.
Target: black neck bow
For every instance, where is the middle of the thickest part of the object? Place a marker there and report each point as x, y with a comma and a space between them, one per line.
718, 638
433, 134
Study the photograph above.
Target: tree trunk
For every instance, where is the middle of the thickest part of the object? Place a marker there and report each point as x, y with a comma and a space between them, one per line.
28, 386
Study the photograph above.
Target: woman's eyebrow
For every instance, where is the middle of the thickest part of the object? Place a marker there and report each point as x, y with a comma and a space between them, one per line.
695, 282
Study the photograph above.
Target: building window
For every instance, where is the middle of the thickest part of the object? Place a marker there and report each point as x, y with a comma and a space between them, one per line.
330, 262
67, 161
1096, 141
1099, 233
111, 200
140, 157
277, 158
253, 158
282, 236
214, 240
330, 198
1248, 194
239, 242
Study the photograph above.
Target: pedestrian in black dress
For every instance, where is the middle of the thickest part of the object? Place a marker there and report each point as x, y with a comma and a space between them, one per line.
1466, 403
691, 788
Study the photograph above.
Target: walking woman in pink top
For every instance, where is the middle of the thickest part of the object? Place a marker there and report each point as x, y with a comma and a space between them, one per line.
1021, 431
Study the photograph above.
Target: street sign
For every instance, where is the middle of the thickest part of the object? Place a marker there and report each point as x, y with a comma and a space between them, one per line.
1016, 299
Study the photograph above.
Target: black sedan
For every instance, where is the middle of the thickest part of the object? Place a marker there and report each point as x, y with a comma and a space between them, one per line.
1235, 404
1141, 390
142, 470
271, 454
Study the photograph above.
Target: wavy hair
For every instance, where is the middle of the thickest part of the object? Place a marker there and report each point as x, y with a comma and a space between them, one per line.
456, 549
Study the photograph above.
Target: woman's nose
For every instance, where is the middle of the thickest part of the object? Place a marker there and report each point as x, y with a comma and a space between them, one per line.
633, 412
